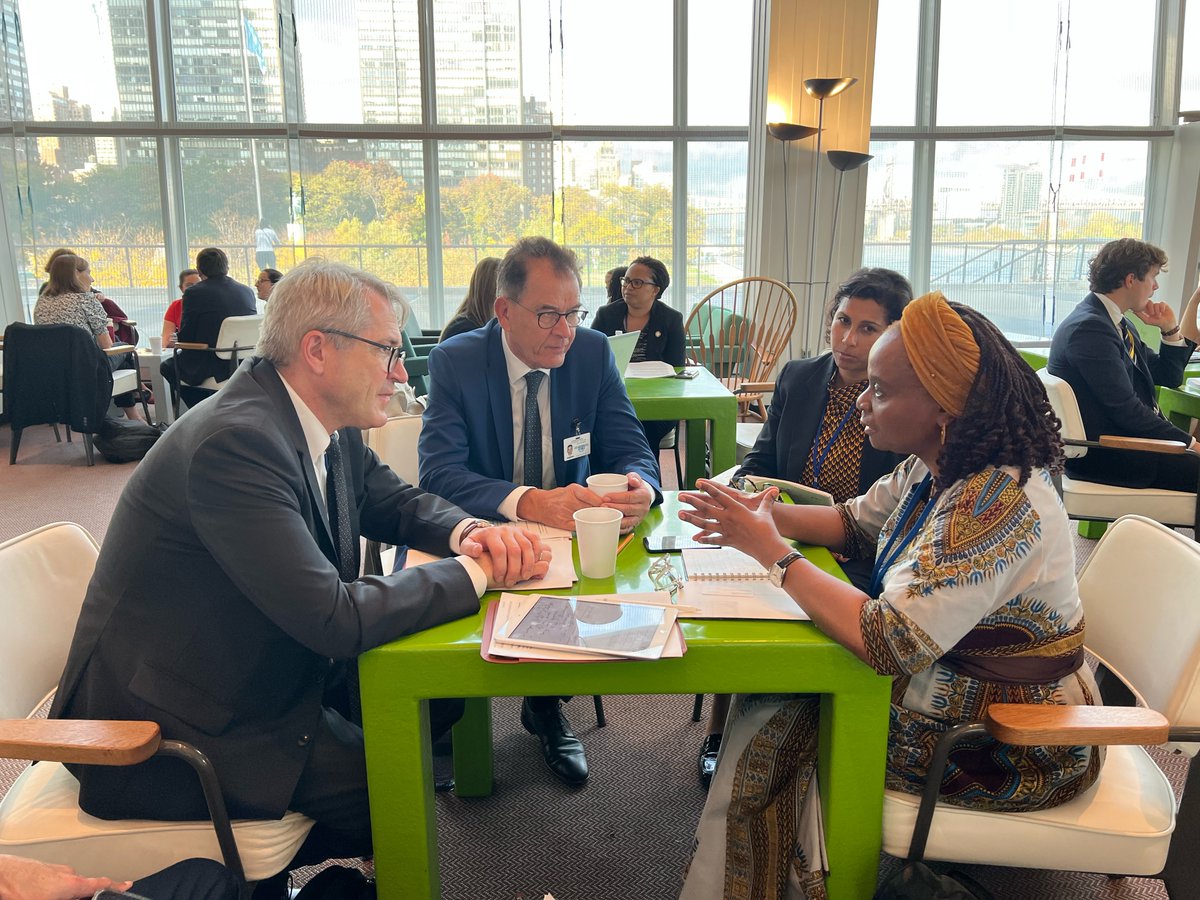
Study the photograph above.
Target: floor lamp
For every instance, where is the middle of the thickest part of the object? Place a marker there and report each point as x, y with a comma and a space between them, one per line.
821, 89
844, 161
785, 133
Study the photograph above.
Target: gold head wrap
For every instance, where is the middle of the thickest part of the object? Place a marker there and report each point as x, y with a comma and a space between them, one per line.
941, 349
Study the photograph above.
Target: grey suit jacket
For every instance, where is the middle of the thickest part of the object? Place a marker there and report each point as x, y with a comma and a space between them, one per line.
215, 609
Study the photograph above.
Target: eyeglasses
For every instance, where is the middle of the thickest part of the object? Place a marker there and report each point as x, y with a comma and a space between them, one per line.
636, 283
549, 319
393, 354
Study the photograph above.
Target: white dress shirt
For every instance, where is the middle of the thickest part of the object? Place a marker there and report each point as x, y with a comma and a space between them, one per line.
517, 387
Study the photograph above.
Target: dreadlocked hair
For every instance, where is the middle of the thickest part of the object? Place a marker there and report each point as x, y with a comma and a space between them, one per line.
1007, 419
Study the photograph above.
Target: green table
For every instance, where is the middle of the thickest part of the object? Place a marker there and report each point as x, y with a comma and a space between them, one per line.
699, 401
399, 678
1181, 404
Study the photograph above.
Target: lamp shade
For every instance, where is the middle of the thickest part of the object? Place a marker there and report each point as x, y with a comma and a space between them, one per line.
786, 131
847, 160
823, 88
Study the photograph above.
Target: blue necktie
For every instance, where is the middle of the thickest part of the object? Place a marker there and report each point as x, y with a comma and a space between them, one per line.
532, 431
1128, 335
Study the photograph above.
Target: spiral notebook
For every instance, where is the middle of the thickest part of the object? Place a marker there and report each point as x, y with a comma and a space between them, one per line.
722, 564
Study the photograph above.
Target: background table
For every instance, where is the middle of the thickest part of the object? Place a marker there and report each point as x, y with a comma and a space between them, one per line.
399, 678
700, 401
149, 363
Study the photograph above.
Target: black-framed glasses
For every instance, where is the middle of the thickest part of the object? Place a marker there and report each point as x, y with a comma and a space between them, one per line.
636, 283
394, 354
549, 318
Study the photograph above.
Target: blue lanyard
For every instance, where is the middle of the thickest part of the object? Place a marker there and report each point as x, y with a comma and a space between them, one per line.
818, 461
888, 557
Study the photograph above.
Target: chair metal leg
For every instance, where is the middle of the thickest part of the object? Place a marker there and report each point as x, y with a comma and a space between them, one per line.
215, 800
698, 708
87, 447
600, 720
57, 436
70, 440
16, 442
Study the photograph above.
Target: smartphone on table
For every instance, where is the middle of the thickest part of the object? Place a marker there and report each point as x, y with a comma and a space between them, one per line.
671, 543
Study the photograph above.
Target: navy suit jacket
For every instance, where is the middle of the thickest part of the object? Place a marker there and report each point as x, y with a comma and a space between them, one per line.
206, 305
466, 445
1116, 395
216, 609
793, 421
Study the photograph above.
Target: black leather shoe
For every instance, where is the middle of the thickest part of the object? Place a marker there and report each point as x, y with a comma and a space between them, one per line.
562, 751
708, 759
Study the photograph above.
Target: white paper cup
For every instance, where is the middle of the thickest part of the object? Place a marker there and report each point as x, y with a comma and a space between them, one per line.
597, 530
156, 344
607, 484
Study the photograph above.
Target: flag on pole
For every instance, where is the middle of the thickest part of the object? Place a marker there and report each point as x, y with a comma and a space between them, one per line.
254, 45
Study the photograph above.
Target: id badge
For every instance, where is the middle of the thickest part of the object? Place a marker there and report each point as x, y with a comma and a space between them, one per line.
577, 446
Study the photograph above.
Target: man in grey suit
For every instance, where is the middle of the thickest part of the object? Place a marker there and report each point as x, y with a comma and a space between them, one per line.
226, 597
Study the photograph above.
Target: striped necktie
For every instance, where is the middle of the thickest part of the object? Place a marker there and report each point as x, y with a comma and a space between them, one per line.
531, 435
1127, 333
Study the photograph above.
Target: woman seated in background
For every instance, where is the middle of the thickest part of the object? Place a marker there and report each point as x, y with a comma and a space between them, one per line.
813, 435
267, 279
174, 314
612, 283
477, 308
121, 328
973, 601
641, 309
67, 299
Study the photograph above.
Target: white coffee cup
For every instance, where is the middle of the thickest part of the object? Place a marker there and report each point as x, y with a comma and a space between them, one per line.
607, 484
597, 529
156, 344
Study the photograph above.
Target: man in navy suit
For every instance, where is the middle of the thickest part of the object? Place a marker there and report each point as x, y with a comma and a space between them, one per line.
520, 412
1113, 373
205, 306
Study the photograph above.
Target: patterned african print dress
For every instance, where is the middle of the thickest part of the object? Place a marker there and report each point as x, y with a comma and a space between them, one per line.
980, 607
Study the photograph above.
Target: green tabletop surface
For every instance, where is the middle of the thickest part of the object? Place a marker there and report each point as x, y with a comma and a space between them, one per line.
399, 678
698, 401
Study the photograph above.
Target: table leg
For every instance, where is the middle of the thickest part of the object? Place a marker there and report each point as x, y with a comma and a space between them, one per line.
473, 775
724, 442
697, 445
164, 409
850, 770
400, 775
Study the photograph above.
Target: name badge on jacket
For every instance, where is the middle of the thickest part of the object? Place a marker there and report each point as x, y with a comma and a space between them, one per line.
577, 446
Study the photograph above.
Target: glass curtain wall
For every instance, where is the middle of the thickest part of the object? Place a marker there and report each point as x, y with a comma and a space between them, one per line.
996, 180
408, 137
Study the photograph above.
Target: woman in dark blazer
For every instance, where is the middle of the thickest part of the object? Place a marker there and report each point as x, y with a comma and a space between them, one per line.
813, 434
641, 309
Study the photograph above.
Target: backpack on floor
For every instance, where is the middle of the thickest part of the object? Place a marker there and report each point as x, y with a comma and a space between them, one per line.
126, 440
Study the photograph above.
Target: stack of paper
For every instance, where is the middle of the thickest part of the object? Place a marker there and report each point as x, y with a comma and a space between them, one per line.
582, 629
649, 369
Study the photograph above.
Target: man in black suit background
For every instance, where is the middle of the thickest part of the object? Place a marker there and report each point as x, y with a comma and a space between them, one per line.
226, 598
1113, 373
205, 306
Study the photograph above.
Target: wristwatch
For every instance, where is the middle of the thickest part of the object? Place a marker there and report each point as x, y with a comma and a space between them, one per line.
777, 571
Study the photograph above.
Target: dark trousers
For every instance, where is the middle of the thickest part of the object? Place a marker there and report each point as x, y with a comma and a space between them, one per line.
333, 786
192, 879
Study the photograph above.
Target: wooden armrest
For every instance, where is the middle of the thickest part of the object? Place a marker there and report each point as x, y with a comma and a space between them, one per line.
1026, 724
755, 387
120, 349
1153, 445
191, 345
93, 741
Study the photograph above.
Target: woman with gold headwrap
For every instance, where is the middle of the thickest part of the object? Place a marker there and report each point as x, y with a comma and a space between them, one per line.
973, 601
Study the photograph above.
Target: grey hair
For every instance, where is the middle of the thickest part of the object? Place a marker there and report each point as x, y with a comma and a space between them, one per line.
514, 268
317, 295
